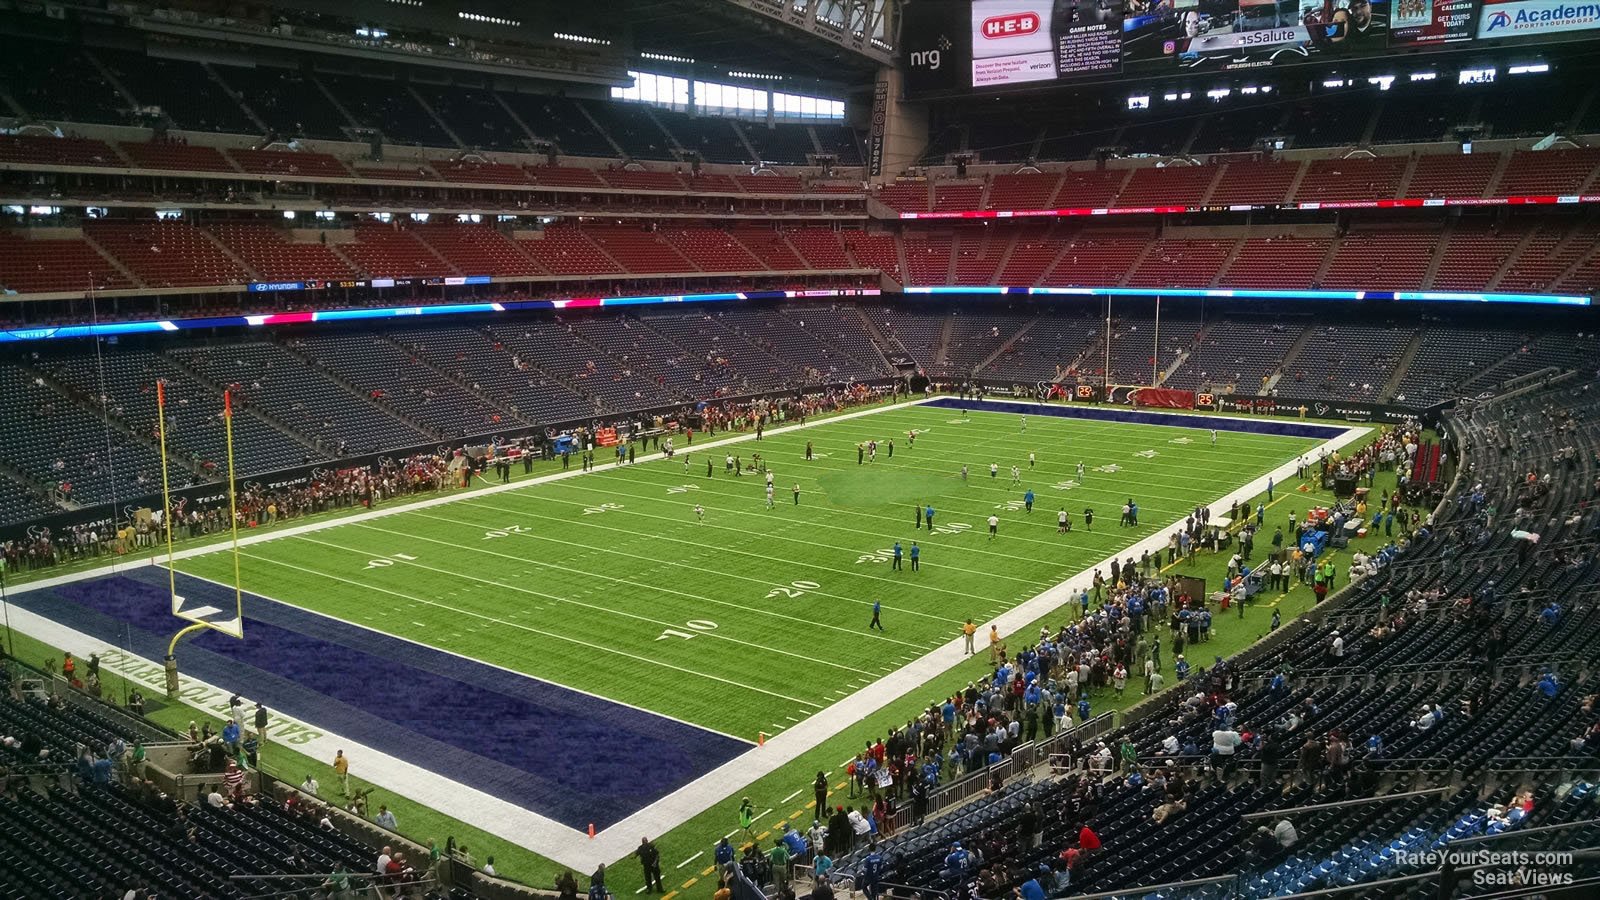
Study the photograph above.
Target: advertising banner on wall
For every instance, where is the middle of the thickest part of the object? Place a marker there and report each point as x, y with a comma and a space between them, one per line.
1524, 18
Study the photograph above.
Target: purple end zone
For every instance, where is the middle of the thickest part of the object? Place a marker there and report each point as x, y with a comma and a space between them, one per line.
1139, 417
568, 756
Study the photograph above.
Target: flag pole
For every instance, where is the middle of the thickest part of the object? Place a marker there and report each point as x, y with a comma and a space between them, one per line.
233, 505
166, 487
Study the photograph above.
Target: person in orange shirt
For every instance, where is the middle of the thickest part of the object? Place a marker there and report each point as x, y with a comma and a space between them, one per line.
341, 767
968, 630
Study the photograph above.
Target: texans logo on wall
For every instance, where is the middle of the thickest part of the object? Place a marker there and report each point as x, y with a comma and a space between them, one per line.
1322, 409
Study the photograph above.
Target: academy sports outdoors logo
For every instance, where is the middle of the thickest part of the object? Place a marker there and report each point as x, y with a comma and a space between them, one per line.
1009, 26
1537, 16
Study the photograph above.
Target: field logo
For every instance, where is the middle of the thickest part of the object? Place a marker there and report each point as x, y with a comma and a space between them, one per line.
1065, 485
1009, 26
1108, 469
1182, 440
1147, 454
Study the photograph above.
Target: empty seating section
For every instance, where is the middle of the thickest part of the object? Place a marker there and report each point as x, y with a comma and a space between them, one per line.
565, 176
638, 250
1547, 172
1237, 353
47, 260
1276, 262
1237, 130
1546, 255
1582, 255
389, 107
196, 434
1045, 350
559, 120
476, 360
388, 252
567, 250
875, 250
928, 258
840, 140
52, 441
1448, 358
1182, 262
176, 157
395, 379
905, 196
781, 145
1254, 182
979, 252
289, 102
800, 347
641, 349
1032, 253
839, 326
954, 197
974, 339
713, 139
1388, 259
1472, 255
468, 172
474, 115
1024, 191
643, 180
1088, 190
276, 255
477, 249
1452, 176
918, 329
633, 128
270, 379
711, 250
289, 163
769, 184
821, 248
1345, 362
725, 359
1351, 179
182, 89
166, 253
56, 151
1169, 186
768, 248
561, 352
1098, 257
57, 82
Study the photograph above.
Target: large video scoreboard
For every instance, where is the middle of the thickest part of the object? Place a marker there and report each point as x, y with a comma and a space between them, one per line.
959, 46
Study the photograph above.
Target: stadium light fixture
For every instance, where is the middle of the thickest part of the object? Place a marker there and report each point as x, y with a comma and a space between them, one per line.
488, 20
1185, 95
1266, 89
1384, 82
1476, 76
289, 214
1170, 97
580, 38
1530, 69
758, 76
1140, 101
1334, 83
1219, 93
664, 57
405, 2
1424, 76
1249, 90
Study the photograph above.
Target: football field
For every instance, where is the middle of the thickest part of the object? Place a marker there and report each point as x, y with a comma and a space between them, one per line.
751, 619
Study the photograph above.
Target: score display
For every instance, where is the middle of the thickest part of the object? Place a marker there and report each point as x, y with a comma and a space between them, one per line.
961, 46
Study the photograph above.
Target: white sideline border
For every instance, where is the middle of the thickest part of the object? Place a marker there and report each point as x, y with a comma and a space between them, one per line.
571, 847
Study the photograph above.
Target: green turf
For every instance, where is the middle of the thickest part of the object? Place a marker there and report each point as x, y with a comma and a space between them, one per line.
716, 622
697, 835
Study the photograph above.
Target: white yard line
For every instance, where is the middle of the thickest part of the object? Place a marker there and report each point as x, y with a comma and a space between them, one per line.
571, 847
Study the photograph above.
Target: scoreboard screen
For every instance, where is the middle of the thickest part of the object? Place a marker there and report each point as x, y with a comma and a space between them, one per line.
965, 46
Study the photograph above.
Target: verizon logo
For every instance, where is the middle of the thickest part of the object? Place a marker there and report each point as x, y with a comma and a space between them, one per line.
1010, 25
